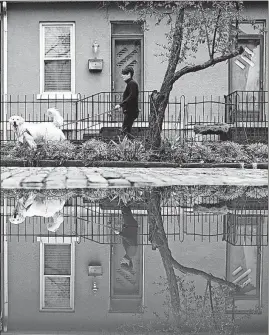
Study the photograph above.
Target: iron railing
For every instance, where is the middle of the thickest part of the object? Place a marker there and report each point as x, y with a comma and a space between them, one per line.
247, 114
93, 221
94, 116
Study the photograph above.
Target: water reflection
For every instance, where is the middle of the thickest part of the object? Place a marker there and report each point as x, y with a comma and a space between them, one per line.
179, 259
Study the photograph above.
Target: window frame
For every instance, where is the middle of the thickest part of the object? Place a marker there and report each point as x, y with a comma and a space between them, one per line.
56, 94
58, 241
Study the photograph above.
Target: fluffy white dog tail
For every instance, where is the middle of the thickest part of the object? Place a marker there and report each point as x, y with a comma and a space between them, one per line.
58, 120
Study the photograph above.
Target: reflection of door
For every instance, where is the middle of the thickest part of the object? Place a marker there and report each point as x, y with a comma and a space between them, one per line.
246, 78
126, 285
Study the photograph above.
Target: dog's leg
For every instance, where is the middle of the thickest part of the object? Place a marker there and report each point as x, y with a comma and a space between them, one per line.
30, 199
62, 136
30, 140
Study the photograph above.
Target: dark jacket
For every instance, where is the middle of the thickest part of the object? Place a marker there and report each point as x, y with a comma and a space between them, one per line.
129, 232
130, 98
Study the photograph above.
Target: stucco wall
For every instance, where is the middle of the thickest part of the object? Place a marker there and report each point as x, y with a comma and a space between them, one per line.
94, 24
91, 312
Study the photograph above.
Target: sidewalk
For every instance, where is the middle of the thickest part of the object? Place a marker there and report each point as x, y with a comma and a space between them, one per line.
89, 177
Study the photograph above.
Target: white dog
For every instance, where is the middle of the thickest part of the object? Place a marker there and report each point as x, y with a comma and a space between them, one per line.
40, 205
58, 120
30, 132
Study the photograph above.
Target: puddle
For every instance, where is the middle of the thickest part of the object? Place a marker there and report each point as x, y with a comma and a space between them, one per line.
182, 259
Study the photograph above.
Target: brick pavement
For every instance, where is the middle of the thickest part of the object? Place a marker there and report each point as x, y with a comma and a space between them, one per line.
96, 177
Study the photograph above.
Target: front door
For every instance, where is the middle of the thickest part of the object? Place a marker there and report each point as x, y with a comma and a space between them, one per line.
246, 79
125, 52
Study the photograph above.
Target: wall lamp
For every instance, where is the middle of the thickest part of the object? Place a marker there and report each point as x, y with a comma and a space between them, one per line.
95, 47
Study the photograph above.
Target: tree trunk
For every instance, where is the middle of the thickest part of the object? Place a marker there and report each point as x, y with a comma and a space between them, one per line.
159, 100
159, 238
158, 104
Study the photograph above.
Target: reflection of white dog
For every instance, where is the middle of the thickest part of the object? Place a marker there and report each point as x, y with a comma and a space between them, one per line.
58, 120
30, 132
40, 205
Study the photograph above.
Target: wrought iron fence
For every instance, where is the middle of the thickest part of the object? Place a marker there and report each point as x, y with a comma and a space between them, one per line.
95, 116
97, 222
247, 114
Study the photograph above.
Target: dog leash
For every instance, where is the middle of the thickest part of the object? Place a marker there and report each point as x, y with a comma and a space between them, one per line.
95, 115
23, 132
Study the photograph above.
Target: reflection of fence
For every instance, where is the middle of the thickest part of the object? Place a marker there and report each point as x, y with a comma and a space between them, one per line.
94, 116
246, 228
92, 221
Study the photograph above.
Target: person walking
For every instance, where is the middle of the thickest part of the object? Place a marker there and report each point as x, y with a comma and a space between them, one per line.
129, 102
129, 238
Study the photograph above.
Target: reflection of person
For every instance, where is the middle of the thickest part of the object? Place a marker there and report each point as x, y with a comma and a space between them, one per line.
129, 104
39, 205
129, 238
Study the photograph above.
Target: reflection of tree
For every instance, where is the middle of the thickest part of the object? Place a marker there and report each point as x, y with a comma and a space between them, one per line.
60, 286
63, 41
159, 240
158, 237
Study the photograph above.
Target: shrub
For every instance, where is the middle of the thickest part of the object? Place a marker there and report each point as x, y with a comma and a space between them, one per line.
228, 152
193, 152
93, 150
135, 150
258, 152
54, 150
128, 150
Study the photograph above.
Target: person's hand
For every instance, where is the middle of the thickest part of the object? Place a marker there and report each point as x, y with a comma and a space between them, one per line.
117, 107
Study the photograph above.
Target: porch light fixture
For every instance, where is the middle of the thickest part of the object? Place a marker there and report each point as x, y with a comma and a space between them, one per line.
95, 65
95, 47
95, 271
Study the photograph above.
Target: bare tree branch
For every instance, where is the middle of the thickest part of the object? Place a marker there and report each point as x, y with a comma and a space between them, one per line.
237, 27
175, 50
215, 34
211, 62
206, 30
207, 276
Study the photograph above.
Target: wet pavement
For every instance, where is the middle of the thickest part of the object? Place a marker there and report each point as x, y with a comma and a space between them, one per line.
167, 260
87, 177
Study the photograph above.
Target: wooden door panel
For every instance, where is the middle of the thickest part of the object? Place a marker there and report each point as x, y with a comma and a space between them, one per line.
245, 76
127, 52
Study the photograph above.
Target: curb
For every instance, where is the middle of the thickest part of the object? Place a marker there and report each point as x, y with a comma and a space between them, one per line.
127, 164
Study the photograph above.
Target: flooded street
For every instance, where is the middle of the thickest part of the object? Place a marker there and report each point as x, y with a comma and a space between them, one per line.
146, 260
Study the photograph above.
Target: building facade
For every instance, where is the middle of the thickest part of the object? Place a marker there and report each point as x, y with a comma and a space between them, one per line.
76, 49
70, 279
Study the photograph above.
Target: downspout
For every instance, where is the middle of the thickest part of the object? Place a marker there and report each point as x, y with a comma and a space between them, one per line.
4, 120
5, 266
4, 39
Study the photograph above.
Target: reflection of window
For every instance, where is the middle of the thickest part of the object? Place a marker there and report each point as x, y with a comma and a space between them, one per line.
57, 274
57, 57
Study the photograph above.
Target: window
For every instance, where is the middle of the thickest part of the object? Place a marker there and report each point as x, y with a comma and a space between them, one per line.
57, 59
57, 274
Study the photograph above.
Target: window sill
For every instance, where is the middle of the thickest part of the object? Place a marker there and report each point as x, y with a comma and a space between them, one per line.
58, 96
57, 310
58, 239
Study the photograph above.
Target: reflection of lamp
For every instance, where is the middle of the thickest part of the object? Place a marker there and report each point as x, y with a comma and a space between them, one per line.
94, 271
95, 47
94, 287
